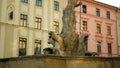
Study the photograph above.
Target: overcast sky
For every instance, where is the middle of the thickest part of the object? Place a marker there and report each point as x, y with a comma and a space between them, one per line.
111, 2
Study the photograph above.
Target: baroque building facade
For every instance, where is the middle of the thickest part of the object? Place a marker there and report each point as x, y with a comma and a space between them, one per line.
24, 26
98, 21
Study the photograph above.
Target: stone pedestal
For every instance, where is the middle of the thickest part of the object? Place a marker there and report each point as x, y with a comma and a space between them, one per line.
51, 61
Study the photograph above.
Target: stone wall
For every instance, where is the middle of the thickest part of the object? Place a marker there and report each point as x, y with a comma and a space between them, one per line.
51, 61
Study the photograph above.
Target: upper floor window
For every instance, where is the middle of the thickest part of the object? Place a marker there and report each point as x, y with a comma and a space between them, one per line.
38, 2
11, 15
99, 47
38, 22
37, 49
109, 48
108, 15
84, 25
23, 20
24, 1
97, 12
56, 27
56, 5
98, 28
108, 30
84, 9
22, 46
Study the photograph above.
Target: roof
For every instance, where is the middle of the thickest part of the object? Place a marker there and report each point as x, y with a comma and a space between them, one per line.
106, 4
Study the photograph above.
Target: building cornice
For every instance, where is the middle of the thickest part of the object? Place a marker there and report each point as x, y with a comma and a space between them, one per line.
102, 4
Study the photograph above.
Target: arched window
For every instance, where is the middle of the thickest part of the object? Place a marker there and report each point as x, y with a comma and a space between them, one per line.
11, 15
10, 12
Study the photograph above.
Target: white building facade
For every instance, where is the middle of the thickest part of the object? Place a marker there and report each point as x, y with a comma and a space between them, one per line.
24, 25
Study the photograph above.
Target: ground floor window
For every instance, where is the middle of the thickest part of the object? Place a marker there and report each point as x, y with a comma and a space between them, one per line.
109, 48
99, 47
22, 46
37, 49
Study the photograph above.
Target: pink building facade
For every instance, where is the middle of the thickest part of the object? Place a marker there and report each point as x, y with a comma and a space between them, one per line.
98, 20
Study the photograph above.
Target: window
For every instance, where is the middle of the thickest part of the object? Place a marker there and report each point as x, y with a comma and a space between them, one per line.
97, 12
22, 46
108, 30
37, 49
24, 1
84, 9
86, 45
99, 47
84, 25
11, 15
98, 28
23, 20
38, 2
109, 48
38, 22
108, 15
56, 5
56, 27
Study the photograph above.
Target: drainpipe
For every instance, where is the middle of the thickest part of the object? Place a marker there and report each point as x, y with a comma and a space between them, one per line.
80, 18
79, 5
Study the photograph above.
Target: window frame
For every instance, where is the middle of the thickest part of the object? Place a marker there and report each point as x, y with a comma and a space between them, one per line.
56, 26
86, 45
23, 20
97, 12
98, 27
24, 1
84, 26
39, 3
108, 14
11, 15
108, 30
99, 47
22, 41
37, 42
38, 22
56, 5
84, 8
109, 48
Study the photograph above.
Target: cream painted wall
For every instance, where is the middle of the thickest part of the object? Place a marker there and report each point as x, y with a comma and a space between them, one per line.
31, 13
2, 35
8, 44
51, 15
0, 9
30, 43
15, 42
17, 12
3, 11
1, 49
